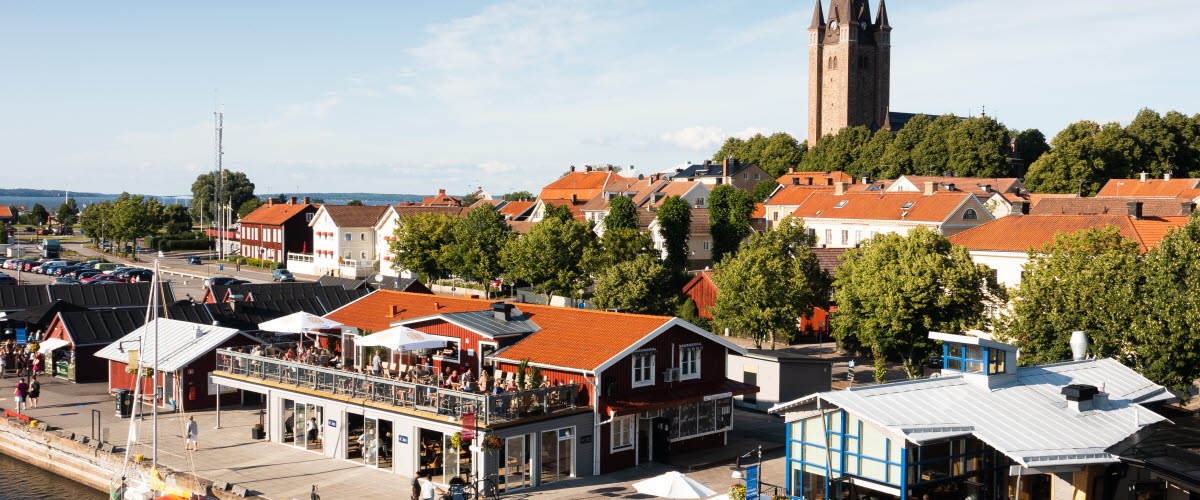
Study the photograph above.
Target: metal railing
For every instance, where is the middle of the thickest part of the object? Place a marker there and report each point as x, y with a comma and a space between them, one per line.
489, 409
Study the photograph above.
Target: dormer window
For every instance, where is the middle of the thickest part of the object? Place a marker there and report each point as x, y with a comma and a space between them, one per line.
963, 358
996, 363
970, 214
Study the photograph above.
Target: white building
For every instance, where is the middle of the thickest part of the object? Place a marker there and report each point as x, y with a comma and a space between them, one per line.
385, 233
344, 240
844, 219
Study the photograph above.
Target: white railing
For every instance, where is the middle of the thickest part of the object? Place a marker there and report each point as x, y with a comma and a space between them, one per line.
300, 263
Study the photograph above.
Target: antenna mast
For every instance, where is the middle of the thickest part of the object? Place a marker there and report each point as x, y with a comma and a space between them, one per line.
219, 184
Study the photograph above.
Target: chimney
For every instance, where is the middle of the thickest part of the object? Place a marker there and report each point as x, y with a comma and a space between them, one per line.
987, 188
442, 192
808, 181
839, 188
791, 170
270, 202
608, 168
502, 311
394, 310
1145, 176
292, 200
1079, 345
437, 305
307, 200
795, 181
572, 168
725, 167
1167, 175
949, 186
1187, 207
866, 178
574, 198
930, 188
1134, 208
1080, 397
1019, 207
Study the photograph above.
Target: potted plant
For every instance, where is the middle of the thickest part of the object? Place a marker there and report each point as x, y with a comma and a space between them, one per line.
456, 441
256, 432
492, 443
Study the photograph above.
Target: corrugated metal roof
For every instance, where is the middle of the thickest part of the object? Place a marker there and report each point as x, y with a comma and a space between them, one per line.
179, 343
1029, 420
485, 322
115, 295
21, 297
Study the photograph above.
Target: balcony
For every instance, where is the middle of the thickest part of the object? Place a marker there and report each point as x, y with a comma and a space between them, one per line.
300, 263
351, 268
386, 393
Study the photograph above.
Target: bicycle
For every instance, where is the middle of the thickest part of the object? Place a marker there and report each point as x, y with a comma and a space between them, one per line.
484, 488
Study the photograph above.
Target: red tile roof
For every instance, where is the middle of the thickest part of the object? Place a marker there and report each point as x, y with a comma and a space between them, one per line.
441, 200
515, 208
273, 214
5, 212
883, 206
1020, 233
818, 177
791, 194
1035, 198
759, 212
1151, 207
1150, 188
973, 185
584, 185
581, 339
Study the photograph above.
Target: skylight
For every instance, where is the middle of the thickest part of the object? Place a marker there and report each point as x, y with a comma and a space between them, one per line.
841, 204
907, 205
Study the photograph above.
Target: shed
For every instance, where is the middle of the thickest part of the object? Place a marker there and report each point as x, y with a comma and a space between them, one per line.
84, 333
780, 376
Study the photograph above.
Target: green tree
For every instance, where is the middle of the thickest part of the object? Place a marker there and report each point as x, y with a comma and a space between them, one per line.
688, 311
894, 290
518, 196
978, 147
621, 214
932, 154
560, 212
729, 212
68, 212
1168, 349
1085, 155
476, 242
132, 217
772, 282
675, 226
1031, 145
420, 244
854, 150
775, 154
641, 285
238, 189
176, 219
16, 213
93, 220
549, 256
616, 246
1087, 280
37, 215
249, 206
763, 190
898, 159
354, 203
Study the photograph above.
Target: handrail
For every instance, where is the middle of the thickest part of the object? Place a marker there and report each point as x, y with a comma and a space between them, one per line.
489, 409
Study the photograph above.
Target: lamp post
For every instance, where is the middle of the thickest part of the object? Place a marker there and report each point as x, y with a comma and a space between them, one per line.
739, 471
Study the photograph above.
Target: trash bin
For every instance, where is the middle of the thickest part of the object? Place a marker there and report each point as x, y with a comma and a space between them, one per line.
124, 403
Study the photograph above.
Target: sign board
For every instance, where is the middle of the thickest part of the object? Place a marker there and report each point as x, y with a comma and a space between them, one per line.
331, 423
22, 336
403, 439
723, 395
468, 426
752, 482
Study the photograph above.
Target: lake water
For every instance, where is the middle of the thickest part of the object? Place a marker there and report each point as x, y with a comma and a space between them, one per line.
52, 202
21, 481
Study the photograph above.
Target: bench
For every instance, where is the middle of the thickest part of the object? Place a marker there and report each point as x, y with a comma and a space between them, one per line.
13, 414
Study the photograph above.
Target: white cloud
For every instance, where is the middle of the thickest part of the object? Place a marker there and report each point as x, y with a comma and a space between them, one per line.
315, 108
496, 167
701, 138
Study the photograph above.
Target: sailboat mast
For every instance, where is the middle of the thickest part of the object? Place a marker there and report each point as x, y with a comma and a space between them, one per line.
154, 299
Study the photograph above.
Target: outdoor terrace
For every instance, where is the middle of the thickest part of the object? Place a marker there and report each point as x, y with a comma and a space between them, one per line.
428, 399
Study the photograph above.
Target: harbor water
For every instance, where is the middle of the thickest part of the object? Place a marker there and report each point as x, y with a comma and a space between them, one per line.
22, 481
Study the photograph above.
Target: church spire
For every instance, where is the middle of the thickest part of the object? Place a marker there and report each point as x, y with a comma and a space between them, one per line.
818, 17
881, 18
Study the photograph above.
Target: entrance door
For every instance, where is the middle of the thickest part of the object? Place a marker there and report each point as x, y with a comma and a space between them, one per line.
302, 425
661, 440
316, 436
289, 421
370, 442
514, 463
644, 443
750, 376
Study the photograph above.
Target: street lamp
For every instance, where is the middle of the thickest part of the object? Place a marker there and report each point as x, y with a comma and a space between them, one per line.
738, 470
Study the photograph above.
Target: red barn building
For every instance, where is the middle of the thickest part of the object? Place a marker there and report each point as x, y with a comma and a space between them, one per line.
274, 229
75, 336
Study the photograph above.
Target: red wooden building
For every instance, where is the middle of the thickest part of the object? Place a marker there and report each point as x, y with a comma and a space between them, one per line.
78, 335
273, 230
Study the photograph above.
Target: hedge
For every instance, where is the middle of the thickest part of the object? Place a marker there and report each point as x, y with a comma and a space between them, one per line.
171, 245
248, 261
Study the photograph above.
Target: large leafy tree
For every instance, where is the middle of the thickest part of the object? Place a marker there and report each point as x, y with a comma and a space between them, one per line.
729, 212
1086, 280
176, 219
896, 289
855, 150
641, 285
238, 189
1168, 349
93, 221
619, 245
420, 244
621, 214
1084, 157
68, 212
675, 226
763, 190
1031, 145
560, 212
550, 256
476, 242
133, 217
766, 287
979, 147
775, 154
37, 215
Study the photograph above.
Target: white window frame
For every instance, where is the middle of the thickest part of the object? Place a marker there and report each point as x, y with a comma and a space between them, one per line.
689, 353
621, 434
636, 380
349, 237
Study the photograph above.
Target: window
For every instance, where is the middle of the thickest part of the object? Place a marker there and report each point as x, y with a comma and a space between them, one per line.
699, 202
774, 215
841, 204
622, 433
706, 244
963, 357
745, 176
362, 236
703, 417
857, 237
970, 214
812, 233
349, 237
907, 205
362, 255
689, 362
828, 236
996, 361
832, 63
757, 176
845, 237
643, 368
308, 217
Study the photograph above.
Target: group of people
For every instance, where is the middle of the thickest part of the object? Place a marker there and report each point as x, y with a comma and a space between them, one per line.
26, 393
25, 360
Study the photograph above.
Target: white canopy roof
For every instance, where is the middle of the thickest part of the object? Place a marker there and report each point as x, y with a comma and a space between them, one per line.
179, 343
52, 344
401, 338
299, 322
673, 485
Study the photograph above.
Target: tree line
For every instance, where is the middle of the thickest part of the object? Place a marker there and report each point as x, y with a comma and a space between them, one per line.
130, 217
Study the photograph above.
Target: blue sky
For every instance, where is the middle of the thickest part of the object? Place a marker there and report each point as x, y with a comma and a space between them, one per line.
409, 97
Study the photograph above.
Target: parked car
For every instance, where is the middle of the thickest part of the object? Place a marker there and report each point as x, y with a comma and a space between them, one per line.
107, 278
65, 231
45, 232
107, 267
139, 276
238, 282
282, 275
193, 260
65, 281
7, 280
29, 229
81, 275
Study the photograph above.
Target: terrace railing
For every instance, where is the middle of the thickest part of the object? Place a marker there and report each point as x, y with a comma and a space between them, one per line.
489, 409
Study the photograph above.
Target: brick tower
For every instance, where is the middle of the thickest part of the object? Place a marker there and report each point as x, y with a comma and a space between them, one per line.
849, 63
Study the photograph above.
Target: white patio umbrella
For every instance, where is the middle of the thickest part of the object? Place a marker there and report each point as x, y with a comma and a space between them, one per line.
299, 323
401, 338
673, 485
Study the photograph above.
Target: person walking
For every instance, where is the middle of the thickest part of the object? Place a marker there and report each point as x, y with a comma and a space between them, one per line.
20, 392
428, 489
192, 441
35, 391
376, 363
3, 363
310, 430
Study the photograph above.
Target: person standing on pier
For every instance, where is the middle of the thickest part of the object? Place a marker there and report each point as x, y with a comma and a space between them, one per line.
35, 391
20, 392
193, 435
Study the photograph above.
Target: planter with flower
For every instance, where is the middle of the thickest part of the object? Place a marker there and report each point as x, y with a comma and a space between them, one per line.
256, 432
492, 443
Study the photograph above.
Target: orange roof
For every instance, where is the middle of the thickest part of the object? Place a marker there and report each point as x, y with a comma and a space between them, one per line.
1035, 198
515, 208
883, 206
583, 185
1020, 233
1151, 207
791, 194
271, 214
441, 200
677, 188
521, 226
581, 339
1149, 188
5, 212
355, 215
1189, 194
760, 211
973, 185
818, 177
485, 202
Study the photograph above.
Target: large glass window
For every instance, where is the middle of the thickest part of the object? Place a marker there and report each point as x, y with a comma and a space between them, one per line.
689, 362
996, 361
514, 469
964, 358
439, 459
622, 433
643, 368
558, 455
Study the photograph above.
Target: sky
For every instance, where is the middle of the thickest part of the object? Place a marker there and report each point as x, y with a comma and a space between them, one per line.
410, 97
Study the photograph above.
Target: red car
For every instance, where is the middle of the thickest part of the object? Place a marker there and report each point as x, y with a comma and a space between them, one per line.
101, 278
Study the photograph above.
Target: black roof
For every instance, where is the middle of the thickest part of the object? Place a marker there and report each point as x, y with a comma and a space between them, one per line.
42, 315
101, 327
21, 297
219, 291
109, 296
1170, 448
712, 169
247, 315
331, 297
402, 285
186, 311
347, 283
486, 322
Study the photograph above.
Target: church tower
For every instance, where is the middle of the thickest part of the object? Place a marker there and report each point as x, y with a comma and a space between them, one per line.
849, 67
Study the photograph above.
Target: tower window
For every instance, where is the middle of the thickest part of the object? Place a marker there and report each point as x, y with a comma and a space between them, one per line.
833, 62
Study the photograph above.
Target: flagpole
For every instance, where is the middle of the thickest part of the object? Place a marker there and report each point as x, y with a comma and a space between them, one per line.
154, 373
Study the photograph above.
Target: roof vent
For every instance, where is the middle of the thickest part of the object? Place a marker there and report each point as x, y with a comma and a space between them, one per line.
502, 311
1080, 396
198, 332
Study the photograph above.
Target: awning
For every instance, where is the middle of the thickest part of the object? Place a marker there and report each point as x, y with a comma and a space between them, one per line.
401, 338
667, 398
300, 322
52, 344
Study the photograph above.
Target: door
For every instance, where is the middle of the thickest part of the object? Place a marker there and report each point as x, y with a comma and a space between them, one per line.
661, 440
750, 376
301, 425
316, 436
514, 463
370, 442
644, 443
